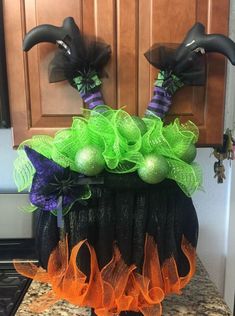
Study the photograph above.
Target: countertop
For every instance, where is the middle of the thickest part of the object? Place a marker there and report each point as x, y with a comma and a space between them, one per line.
199, 298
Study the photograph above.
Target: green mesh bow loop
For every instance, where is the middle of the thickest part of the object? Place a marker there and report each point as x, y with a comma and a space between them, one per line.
103, 134
128, 139
63, 160
188, 176
181, 138
127, 131
185, 131
67, 142
63, 148
120, 136
126, 126
41, 143
79, 122
123, 163
23, 169
87, 82
173, 141
151, 125
30, 208
154, 140
170, 142
101, 124
129, 162
100, 132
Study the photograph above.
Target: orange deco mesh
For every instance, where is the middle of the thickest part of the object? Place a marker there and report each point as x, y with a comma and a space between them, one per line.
117, 287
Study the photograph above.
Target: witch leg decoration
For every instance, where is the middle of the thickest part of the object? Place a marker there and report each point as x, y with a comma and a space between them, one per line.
184, 64
79, 60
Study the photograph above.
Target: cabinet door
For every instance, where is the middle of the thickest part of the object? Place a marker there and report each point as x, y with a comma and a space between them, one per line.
130, 27
167, 22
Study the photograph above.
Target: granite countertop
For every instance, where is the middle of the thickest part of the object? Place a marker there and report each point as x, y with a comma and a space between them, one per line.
199, 298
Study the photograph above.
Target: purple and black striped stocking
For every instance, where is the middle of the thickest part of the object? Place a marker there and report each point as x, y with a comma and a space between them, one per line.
93, 99
160, 103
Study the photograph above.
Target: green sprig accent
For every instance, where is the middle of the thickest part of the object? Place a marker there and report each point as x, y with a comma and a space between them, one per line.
169, 81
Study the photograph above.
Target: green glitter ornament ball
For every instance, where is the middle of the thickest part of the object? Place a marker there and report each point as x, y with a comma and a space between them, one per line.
154, 169
189, 154
89, 160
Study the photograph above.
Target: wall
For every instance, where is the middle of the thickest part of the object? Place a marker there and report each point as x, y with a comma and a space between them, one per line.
7, 156
14, 222
229, 291
212, 207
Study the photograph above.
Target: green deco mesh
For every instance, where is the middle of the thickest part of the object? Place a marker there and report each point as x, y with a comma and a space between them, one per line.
123, 143
23, 169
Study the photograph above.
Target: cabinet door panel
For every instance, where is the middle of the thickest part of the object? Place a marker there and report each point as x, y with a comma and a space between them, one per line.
163, 21
127, 54
99, 19
49, 103
130, 27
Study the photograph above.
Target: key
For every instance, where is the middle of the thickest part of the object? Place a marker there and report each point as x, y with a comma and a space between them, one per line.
219, 171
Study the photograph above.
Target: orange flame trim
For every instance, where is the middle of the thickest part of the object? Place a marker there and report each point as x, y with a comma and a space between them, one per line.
117, 287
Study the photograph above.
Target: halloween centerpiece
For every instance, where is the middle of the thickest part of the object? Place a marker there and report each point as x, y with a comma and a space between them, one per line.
116, 226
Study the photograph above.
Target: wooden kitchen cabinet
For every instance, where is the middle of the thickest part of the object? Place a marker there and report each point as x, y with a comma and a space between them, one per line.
130, 27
